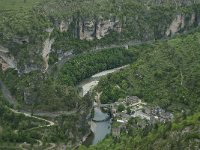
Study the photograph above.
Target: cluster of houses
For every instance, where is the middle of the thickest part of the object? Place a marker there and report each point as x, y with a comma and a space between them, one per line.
134, 107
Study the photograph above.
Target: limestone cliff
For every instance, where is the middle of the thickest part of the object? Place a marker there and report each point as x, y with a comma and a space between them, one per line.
119, 22
6, 60
97, 28
46, 50
180, 23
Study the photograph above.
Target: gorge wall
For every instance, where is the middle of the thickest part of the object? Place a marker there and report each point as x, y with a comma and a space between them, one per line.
26, 53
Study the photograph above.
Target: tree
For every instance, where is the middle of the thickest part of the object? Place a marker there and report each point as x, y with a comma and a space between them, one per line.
121, 108
128, 110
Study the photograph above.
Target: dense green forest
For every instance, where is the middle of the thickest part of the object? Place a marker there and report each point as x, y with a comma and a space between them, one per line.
17, 130
165, 73
14, 128
42, 87
85, 66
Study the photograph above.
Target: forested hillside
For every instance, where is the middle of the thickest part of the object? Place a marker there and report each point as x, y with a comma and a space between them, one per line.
47, 47
34, 39
165, 74
29, 35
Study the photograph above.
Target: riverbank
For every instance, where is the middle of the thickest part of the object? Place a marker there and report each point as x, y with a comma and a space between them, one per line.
100, 124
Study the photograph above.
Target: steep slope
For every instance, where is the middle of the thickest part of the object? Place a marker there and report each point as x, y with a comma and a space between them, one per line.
48, 46
165, 74
24, 31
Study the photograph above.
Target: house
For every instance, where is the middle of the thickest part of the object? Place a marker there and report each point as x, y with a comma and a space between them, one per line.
141, 115
132, 99
116, 132
114, 110
121, 121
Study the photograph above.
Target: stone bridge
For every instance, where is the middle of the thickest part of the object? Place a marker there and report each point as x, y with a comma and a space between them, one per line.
103, 105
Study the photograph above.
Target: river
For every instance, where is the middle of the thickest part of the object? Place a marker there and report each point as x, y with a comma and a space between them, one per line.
99, 129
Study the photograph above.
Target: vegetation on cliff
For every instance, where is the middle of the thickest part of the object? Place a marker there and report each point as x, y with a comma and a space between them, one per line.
163, 73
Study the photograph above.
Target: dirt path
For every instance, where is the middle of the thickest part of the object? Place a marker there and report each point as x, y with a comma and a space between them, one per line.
50, 123
11, 100
40, 143
52, 146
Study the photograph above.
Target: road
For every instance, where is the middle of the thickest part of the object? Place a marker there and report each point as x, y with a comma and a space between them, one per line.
11, 100
40, 143
61, 62
50, 123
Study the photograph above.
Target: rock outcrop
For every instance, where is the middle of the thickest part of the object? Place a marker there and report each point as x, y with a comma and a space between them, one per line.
89, 29
176, 25
6, 60
46, 50
97, 29
21, 40
181, 23
64, 25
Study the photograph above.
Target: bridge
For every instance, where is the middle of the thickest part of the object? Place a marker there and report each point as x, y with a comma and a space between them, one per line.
109, 107
103, 105
103, 120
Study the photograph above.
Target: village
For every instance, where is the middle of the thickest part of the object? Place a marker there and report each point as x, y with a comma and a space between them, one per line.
133, 107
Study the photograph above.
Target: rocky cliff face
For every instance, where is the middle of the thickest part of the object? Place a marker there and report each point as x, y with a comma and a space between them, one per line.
46, 50
6, 59
141, 26
182, 22
176, 25
89, 29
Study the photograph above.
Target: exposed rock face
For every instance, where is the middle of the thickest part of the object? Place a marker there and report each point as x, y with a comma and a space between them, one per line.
176, 25
6, 60
180, 23
86, 30
30, 68
46, 50
192, 20
64, 25
97, 29
3, 49
21, 40
105, 26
